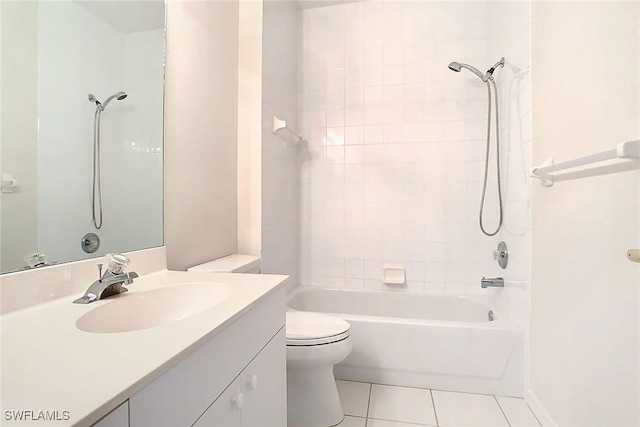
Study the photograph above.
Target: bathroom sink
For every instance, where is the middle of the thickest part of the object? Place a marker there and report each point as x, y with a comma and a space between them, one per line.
134, 311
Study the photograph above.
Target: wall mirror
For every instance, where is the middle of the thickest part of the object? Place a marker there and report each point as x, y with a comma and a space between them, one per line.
81, 129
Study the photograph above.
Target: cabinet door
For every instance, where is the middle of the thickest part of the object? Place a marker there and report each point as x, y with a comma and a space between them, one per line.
226, 411
119, 417
264, 384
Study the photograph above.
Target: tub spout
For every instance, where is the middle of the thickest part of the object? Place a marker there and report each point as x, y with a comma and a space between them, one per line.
493, 282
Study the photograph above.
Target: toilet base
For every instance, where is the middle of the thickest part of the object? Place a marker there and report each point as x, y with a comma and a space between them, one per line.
312, 394
319, 405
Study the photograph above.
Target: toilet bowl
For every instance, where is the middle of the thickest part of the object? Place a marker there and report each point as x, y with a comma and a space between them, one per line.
315, 342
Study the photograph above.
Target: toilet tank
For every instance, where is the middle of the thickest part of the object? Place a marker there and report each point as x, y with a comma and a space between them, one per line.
236, 263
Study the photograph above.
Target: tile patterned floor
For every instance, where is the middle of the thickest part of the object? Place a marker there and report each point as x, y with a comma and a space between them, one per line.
374, 405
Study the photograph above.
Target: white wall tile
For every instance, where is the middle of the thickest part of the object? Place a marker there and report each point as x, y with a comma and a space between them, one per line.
409, 134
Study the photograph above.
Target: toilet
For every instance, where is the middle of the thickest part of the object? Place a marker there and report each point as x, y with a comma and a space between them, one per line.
315, 343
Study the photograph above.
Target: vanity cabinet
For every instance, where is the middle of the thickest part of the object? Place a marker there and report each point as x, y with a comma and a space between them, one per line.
119, 417
235, 378
254, 399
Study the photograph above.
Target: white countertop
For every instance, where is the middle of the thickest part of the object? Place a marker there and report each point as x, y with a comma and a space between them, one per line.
48, 364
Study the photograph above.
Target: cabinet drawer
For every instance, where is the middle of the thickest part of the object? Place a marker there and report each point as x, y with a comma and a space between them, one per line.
182, 394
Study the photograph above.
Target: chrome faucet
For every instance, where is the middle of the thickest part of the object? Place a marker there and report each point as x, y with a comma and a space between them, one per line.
493, 282
111, 282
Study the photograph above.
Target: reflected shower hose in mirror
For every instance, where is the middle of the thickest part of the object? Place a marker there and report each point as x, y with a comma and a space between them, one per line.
96, 197
488, 79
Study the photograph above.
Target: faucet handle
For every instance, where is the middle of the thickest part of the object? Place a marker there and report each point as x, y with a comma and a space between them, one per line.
117, 263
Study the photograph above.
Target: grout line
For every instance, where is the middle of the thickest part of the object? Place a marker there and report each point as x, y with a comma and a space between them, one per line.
502, 410
436, 389
366, 420
401, 422
532, 413
435, 412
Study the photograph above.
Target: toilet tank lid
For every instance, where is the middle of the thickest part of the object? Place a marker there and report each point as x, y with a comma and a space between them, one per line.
236, 263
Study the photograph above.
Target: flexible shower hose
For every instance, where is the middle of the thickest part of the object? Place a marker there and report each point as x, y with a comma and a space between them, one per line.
97, 184
486, 161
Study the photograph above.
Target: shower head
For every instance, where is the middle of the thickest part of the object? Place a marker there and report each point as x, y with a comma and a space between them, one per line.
119, 96
92, 98
102, 105
453, 66
457, 66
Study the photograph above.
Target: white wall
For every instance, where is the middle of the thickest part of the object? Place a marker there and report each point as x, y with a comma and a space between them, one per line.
249, 126
201, 127
19, 137
280, 168
585, 325
397, 144
80, 53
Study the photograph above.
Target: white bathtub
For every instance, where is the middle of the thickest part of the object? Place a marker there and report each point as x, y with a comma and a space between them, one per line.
443, 342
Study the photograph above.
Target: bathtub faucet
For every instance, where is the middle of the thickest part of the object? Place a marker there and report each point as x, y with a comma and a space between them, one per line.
493, 282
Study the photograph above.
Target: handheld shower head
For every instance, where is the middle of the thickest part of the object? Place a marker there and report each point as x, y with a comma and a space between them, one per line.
92, 98
119, 96
102, 105
457, 66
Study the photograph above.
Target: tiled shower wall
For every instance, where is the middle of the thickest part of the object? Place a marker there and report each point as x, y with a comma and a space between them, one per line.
509, 36
394, 166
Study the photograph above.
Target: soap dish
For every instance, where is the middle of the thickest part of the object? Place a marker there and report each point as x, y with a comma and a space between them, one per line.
394, 276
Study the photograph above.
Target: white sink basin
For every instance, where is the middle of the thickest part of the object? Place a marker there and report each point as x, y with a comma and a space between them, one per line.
133, 311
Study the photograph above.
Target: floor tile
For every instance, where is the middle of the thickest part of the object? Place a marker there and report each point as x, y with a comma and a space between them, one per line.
517, 412
354, 397
385, 423
409, 405
469, 410
353, 422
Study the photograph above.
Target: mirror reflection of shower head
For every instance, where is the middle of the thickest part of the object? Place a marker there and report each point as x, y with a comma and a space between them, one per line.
119, 96
92, 98
457, 66
102, 105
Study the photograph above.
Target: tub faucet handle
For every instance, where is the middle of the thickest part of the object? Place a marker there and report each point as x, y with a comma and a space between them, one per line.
501, 255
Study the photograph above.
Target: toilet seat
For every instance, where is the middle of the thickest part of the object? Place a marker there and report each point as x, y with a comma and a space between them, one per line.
310, 329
